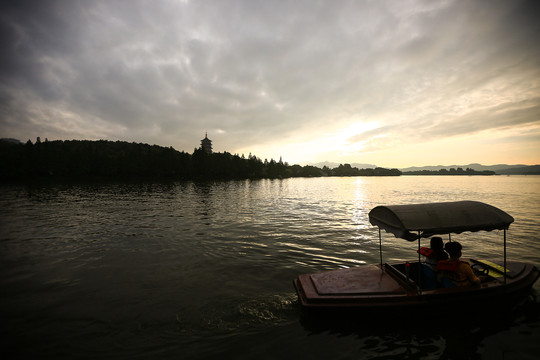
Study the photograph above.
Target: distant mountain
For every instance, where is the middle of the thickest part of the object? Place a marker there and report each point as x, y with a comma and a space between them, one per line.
499, 169
525, 170
333, 165
502, 169
10, 141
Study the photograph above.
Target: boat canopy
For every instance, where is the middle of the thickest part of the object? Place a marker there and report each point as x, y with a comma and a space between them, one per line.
414, 221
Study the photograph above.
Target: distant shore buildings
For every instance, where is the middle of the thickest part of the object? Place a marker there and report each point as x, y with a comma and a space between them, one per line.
206, 144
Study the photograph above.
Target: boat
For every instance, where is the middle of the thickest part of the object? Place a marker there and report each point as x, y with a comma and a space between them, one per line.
408, 285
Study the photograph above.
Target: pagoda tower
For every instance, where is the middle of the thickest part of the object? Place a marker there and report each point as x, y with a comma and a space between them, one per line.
206, 144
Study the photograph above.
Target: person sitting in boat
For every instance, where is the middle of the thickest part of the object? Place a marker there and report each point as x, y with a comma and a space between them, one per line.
433, 255
437, 252
458, 272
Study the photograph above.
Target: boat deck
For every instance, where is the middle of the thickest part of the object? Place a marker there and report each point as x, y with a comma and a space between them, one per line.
365, 280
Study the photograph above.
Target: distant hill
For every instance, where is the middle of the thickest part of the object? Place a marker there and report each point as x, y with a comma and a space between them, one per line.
474, 166
501, 169
10, 141
333, 165
525, 170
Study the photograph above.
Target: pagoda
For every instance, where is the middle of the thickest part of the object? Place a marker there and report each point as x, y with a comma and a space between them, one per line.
206, 144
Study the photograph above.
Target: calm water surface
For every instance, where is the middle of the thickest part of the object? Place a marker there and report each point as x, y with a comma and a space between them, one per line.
204, 270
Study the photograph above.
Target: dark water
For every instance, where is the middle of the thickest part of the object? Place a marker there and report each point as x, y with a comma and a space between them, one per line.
204, 270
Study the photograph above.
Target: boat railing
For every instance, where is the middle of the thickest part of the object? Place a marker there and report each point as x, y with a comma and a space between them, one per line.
407, 281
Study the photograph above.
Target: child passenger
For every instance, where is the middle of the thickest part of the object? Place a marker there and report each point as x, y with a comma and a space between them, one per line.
436, 244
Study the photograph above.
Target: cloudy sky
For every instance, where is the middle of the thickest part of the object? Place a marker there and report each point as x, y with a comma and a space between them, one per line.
391, 83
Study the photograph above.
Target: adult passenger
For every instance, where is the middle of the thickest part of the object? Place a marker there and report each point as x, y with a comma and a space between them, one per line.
458, 272
438, 253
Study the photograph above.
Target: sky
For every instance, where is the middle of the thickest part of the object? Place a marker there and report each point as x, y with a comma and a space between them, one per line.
389, 83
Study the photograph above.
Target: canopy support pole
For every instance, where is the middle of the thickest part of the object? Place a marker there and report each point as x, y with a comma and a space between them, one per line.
419, 266
505, 256
380, 247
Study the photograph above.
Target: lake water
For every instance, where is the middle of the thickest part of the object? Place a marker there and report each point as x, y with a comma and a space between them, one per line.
204, 270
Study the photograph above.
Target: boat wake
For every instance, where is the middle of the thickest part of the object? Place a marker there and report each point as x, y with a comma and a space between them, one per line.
233, 316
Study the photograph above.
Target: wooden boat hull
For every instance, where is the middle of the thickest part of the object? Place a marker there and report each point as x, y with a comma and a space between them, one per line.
376, 287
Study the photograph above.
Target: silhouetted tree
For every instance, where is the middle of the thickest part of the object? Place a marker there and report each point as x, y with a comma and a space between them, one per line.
108, 159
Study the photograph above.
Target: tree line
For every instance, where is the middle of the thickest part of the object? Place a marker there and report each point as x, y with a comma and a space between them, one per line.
451, 171
83, 159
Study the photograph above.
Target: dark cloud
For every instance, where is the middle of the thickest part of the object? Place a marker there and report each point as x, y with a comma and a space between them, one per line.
256, 72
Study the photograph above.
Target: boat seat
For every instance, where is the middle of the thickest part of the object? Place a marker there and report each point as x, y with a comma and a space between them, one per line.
447, 283
430, 278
